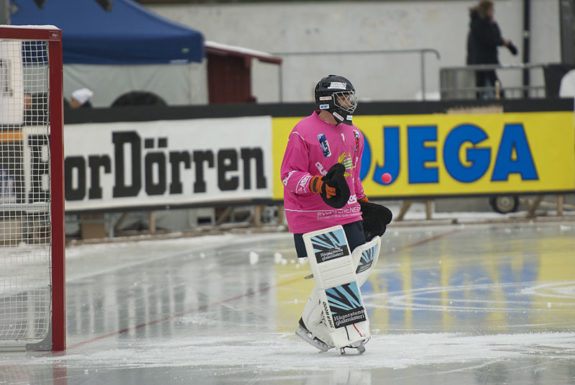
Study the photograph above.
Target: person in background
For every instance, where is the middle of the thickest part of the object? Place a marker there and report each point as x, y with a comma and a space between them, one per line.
482, 42
81, 98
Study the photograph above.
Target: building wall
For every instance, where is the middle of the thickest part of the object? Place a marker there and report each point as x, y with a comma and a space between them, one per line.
358, 25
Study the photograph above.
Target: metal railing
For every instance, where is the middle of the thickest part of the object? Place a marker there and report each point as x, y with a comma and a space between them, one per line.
421, 52
459, 83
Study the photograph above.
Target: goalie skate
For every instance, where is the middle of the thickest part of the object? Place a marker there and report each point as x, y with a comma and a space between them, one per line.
303, 333
359, 348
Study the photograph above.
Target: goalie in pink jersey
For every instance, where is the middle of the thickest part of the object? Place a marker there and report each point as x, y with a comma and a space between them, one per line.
320, 172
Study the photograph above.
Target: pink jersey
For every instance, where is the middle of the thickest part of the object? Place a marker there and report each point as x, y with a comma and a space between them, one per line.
313, 147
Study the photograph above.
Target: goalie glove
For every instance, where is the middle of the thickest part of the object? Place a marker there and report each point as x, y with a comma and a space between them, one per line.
375, 218
333, 187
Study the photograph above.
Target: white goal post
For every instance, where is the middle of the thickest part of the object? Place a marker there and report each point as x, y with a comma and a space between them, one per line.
32, 281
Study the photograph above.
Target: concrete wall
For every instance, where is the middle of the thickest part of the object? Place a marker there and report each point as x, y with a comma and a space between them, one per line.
357, 25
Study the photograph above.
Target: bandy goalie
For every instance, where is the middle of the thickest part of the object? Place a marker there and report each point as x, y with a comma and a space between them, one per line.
333, 222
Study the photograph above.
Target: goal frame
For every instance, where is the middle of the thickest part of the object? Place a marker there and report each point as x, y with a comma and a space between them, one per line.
56, 341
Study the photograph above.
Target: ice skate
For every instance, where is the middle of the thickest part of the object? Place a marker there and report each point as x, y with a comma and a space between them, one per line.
359, 347
303, 333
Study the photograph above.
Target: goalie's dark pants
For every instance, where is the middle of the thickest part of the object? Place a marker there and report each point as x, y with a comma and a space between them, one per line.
353, 232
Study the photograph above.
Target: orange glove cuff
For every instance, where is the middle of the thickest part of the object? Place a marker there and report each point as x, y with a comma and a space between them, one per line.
316, 186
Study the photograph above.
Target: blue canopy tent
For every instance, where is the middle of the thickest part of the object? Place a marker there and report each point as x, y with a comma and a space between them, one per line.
126, 34
122, 50
128, 49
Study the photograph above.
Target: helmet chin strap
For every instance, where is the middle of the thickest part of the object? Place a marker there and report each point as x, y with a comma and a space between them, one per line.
339, 118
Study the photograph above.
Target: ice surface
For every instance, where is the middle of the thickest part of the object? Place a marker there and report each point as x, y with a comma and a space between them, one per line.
254, 257
281, 351
473, 304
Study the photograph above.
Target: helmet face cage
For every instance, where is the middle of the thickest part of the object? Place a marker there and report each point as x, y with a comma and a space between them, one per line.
345, 101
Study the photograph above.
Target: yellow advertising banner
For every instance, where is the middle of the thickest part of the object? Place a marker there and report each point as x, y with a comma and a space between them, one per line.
458, 154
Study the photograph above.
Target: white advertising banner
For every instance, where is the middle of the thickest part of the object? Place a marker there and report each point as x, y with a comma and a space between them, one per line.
167, 163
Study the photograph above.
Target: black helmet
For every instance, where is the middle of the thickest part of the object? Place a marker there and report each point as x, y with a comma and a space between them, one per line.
336, 94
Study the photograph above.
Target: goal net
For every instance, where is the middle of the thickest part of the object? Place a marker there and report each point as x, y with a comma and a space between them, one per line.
31, 189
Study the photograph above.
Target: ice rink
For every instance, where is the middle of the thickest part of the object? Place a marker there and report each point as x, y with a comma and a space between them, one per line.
461, 304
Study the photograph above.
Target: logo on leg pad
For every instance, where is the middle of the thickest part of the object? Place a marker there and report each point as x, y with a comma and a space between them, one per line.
345, 304
329, 246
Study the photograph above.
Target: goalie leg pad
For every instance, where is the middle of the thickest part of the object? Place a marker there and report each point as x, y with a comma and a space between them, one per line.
313, 319
343, 314
365, 257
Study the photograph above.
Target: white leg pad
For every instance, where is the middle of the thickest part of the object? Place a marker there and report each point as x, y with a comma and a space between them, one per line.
365, 258
313, 318
343, 313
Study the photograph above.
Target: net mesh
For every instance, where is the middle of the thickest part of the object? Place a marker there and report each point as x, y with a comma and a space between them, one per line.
25, 252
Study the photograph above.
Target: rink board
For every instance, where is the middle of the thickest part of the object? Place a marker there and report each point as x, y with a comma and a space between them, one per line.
203, 161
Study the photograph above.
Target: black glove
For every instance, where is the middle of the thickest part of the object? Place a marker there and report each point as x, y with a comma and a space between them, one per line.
375, 219
512, 48
336, 179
